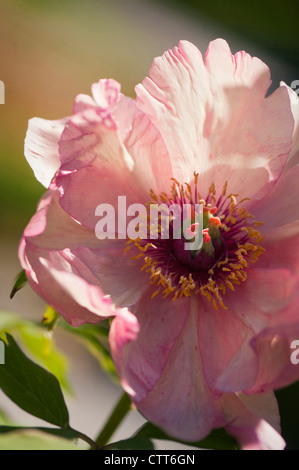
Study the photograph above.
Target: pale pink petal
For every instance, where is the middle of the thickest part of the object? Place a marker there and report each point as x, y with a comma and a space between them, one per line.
84, 190
41, 148
268, 304
177, 98
163, 369
52, 231
254, 421
58, 281
282, 254
227, 337
92, 136
93, 157
106, 93
142, 361
294, 98
124, 330
144, 143
248, 130
229, 362
52, 228
279, 209
217, 111
118, 273
274, 350
83, 102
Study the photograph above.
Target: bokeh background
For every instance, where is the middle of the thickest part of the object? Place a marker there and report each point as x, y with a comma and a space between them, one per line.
52, 50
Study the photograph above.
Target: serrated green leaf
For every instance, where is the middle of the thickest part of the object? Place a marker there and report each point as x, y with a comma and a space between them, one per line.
31, 387
20, 282
217, 440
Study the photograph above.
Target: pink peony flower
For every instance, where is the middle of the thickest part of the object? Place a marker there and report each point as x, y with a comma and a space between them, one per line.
200, 338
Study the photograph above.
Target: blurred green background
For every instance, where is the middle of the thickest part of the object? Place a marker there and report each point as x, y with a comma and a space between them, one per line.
52, 50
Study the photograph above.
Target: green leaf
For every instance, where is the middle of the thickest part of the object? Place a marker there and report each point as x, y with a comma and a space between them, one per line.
135, 443
218, 439
39, 343
20, 282
65, 433
34, 440
95, 338
31, 387
50, 318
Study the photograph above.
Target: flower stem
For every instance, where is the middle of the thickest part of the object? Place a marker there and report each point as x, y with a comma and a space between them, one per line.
87, 439
116, 417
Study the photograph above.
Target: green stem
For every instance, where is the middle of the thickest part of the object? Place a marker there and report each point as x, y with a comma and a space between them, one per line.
116, 417
87, 439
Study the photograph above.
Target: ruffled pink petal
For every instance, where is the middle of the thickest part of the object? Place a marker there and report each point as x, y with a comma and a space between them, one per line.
141, 362
177, 98
159, 364
119, 275
229, 363
277, 358
97, 165
91, 136
57, 279
217, 111
268, 304
282, 254
52, 228
294, 154
82, 103
254, 421
144, 143
52, 231
124, 330
162, 369
106, 93
84, 190
41, 148
247, 127
279, 209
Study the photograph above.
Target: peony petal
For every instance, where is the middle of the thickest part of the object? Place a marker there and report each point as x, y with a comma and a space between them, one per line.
92, 136
274, 349
163, 370
294, 154
106, 93
142, 362
56, 278
144, 143
254, 421
52, 228
176, 96
279, 209
217, 111
41, 147
229, 363
247, 129
52, 231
